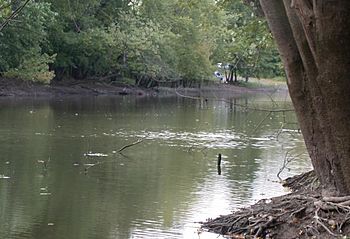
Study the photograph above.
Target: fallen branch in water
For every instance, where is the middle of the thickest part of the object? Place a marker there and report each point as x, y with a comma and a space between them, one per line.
261, 122
246, 107
130, 145
287, 159
187, 96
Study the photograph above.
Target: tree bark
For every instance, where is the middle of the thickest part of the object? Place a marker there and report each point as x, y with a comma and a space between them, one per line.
313, 38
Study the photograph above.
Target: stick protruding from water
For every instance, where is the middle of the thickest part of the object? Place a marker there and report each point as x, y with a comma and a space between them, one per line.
219, 164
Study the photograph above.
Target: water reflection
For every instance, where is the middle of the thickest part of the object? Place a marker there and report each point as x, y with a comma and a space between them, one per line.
61, 175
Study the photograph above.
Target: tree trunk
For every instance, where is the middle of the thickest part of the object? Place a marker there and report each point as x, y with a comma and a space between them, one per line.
313, 38
235, 70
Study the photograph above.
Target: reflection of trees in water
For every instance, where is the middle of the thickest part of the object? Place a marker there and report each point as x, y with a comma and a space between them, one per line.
242, 163
23, 153
156, 183
240, 168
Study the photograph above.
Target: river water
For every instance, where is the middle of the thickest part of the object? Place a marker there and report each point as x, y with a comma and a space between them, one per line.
62, 177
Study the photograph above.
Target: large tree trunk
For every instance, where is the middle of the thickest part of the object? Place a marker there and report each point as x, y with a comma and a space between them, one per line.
313, 38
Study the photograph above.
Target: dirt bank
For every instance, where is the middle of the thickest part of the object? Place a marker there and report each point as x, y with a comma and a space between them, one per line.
304, 213
224, 90
19, 88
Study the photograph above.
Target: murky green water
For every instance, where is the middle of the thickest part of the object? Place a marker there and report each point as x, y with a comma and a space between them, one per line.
61, 176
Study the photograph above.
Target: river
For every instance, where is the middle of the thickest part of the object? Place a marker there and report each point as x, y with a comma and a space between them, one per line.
61, 175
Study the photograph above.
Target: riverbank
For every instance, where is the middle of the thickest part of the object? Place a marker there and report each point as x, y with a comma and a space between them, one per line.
19, 88
303, 213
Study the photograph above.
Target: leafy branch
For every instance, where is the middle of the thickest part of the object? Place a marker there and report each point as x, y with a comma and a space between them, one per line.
13, 15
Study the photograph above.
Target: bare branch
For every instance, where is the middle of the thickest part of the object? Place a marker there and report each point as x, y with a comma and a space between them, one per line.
261, 122
235, 104
130, 145
186, 96
287, 159
13, 15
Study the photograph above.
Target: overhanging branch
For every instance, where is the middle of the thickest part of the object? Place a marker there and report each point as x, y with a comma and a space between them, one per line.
13, 15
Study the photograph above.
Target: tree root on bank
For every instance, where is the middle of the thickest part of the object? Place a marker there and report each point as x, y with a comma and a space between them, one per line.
301, 214
305, 181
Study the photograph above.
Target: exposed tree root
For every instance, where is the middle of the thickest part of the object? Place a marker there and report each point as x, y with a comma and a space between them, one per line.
301, 214
302, 182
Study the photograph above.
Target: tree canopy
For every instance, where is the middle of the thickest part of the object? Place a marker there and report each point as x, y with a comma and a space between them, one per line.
132, 40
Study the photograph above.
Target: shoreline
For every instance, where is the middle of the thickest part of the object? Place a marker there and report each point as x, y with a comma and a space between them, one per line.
14, 88
303, 213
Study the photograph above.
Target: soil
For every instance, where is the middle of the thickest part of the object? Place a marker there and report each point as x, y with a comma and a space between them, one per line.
19, 88
303, 213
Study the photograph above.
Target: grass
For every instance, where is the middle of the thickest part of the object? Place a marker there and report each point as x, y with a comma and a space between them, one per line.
258, 83
250, 84
279, 78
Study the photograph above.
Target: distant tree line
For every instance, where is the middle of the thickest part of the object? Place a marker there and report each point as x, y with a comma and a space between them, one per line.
132, 41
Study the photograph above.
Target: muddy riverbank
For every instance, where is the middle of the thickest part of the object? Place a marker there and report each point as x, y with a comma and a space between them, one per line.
19, 88
303, 213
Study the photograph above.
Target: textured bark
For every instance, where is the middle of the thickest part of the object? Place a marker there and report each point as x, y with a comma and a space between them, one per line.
333, 60
313, 38
320, 142
307, 17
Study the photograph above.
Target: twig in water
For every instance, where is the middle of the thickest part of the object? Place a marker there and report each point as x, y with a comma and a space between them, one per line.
130, 145
287, 159
261, 122
235, 104
279, 131
186, 96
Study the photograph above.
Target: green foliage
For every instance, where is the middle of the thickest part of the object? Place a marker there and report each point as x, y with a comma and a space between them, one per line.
21, 51
247, 43
146, 40
192, 27
140, 39
34, 68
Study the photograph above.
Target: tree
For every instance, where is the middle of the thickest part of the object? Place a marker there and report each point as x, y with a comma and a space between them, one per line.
9, 10
22, 41
313, 39
246, 42
175, 42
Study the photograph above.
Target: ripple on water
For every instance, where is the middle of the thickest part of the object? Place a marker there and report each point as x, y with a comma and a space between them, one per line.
222, 139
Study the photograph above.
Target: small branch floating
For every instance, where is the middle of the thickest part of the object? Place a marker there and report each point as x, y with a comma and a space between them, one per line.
130, 145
